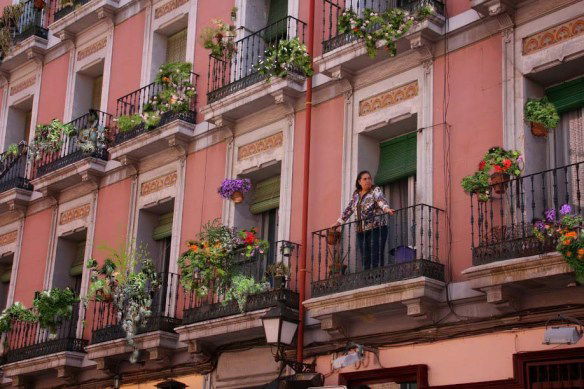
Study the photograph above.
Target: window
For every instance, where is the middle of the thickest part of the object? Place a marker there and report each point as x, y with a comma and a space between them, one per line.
88, 90
265, 204
96, 99
69, 260
18, 123
176, 47
5, 274
407, 377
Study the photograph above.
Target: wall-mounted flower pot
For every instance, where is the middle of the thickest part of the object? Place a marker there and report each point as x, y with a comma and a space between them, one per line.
237, 197
538, 130
499, 181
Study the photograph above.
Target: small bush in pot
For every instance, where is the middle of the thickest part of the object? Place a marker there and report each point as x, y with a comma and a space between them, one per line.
542, 114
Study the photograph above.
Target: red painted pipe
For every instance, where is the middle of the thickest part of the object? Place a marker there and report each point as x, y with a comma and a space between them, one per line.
304, 240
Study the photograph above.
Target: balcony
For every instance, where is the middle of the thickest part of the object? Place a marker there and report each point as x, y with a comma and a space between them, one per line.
15, 189
174, 129
236, 89
393, 265
30, 350
29, 39
507, 257
212, 321
82, 157
77, 15
157, 336
344, 51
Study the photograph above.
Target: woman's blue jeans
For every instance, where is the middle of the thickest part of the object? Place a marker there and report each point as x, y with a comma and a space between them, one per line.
371, 247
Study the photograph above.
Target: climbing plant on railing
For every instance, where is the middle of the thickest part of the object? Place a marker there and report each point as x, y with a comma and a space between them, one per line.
49, 138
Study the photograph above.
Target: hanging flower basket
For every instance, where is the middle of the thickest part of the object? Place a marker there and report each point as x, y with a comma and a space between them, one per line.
237, 197
538, 130
234, 189
500, 181
39, 4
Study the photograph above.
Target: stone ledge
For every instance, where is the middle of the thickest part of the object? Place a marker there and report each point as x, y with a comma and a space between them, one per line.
31, 48
152, 342
45, 362
88, 169
83, 17
15, 199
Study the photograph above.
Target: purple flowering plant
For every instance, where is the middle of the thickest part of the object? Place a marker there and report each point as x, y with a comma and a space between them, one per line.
230, 186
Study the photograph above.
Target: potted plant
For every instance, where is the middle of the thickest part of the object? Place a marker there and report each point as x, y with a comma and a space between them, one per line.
15, 312
542, 114
220, 38
129, 276
284, 56
279, 272
53, 307
8, 23
564, 228
241, 287
49, 138
333, 236
234, 189
494, 172
337, 266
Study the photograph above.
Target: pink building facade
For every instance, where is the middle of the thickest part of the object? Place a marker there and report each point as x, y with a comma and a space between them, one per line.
462, 291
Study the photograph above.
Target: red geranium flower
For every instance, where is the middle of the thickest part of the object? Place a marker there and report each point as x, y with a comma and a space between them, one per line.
249, 237
507, 163
482, 165
498, 169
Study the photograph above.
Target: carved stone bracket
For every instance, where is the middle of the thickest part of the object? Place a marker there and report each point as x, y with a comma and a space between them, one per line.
20, 382
160, 354
204, 359
333, 325
66, 35
223, 122
503, 297
420, 308
285, 99
493, 7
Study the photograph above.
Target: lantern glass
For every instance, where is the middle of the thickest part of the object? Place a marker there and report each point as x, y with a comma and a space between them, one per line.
272, 329
287, 332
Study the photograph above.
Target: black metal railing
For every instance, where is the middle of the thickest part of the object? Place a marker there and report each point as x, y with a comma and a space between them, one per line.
332, 10
502, 227
33, 21
59, 8
214, 305
13, 169
379, 250
236, 70
107, 324
134, 103
28, 340
85, 142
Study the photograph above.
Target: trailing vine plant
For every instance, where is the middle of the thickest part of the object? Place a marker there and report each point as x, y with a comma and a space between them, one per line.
127, 278
8, 25
383, 28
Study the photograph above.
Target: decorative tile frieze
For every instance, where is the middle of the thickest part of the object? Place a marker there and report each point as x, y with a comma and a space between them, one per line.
91, 49
260, 146
388, 98
158, 183
69, 215
22, 85
8, 238
554, 35
167, 7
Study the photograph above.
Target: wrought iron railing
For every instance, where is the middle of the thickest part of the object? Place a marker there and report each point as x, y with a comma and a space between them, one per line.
85, 142
107, 324
332, 10
236, 70
60, 8
214, 305
13, 169
33, 21
379, 250
28, 340
502, 227
134, 103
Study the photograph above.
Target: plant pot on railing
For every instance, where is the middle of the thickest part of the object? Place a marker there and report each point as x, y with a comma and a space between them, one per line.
538, 130
333, 236
499, 181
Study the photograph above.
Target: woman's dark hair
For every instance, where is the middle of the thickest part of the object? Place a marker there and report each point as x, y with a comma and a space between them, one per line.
361, 173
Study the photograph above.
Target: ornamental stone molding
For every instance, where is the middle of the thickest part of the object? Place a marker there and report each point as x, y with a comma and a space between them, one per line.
70, 215
168, 7
388, 98
251, 149
554, 35
91, 49
158, 183
22, 85
8, 238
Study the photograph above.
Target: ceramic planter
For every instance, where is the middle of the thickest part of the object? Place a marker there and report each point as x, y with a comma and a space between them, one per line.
538, 130
237, 197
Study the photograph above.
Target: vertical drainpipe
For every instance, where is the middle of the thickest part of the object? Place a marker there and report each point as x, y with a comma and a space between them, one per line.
304, 240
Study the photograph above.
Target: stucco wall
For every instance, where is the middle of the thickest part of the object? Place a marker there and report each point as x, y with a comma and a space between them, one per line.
53, 89
192, 382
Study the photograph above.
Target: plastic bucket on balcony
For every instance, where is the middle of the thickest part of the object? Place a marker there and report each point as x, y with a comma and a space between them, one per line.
403, 254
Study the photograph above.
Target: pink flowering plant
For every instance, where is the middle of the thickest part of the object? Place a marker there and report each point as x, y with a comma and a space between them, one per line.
230, 186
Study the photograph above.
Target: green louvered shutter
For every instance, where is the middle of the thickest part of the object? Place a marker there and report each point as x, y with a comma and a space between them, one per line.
397, 159
77, 265
5, 275
164, 228
266, 196
568, 95
278, 10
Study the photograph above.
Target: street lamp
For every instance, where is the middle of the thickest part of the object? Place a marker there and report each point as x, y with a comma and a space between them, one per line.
280, 324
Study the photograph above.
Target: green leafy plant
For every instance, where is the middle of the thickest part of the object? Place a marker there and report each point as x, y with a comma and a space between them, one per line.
278, 269
285, 56
13, 150
542, 111
129, 277
496, 160
381, 28
241, 287
15, 312
8, 24
49, 138
53, 307
220, 37
176, 96
93, 137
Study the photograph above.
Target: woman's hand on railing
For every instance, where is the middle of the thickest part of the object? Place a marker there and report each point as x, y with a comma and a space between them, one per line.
390, 211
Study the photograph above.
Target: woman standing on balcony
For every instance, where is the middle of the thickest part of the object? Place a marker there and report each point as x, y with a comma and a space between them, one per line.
369, 205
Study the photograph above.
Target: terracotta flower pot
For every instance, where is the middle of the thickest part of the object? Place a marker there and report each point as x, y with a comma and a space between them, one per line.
333, 236
39, 4
237, 197
499, 182
538, 130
